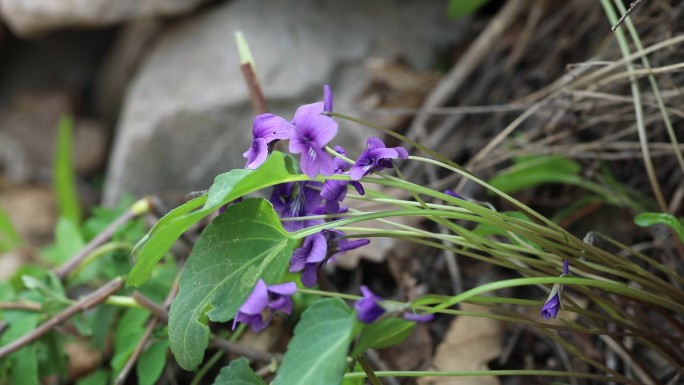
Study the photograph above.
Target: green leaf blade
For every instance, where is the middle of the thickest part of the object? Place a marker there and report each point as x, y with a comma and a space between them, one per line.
227, 187
9, 236
65, 177
317, 352
534, 171
238, 373
383, 334
650, 219
151, 363
244, 244
461, 8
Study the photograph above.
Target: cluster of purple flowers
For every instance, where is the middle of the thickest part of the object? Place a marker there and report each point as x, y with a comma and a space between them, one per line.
309, 133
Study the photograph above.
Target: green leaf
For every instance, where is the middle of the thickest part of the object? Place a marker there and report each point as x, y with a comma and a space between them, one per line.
534, 171
65, 178
129, 331
317, 353
24, 362
227, 187
238, 373
68, 241
101, 321
650, 219
244, 244
461, 8
98, 377
151, 363
383, 334
355, 380
9, 237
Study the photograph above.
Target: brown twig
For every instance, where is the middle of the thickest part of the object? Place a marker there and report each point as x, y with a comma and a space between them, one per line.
30, 306
255, 93
94, 298
64, 270
158, 311
121, 378
631, 9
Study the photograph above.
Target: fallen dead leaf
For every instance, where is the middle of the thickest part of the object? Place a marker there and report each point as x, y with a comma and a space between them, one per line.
469, 344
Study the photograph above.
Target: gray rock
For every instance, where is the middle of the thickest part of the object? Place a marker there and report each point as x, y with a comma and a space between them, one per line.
34, 17
187, 115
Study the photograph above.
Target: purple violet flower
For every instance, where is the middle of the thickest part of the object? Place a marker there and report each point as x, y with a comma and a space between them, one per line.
368, 308
258, 309
554, 303
317, 249
338, 244
420, 318
376, 157
265, 129
327, 99
454, 194
313, 131
297, 199
334, 191
309, 257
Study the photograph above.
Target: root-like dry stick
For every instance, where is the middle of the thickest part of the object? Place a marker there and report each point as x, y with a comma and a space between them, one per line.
94, 298
255, 93
631, 9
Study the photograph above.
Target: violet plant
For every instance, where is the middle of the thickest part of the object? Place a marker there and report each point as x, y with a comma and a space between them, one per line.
260, 259
248, 262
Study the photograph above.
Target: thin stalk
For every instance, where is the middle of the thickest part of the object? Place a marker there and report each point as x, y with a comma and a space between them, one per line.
501, 373
654, 86
368, 371
638, 109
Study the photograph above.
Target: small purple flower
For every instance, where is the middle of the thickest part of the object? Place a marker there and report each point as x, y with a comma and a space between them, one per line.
327, 99
317, 250
265, 129
368, 308
313, 131
297, 199
309, 258
334, 191
258, 309
454, 194
376, 157
420, 318
338, 244
553, 303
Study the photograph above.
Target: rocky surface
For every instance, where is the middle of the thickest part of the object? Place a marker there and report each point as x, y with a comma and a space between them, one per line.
187, 115
30, 18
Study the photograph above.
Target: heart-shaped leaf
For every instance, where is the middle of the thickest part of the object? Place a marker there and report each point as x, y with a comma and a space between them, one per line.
244, 244
317, 353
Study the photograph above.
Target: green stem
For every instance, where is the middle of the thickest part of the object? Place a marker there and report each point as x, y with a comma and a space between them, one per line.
205, 368
621, 289
98, 253
123, 301
547, 373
